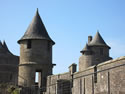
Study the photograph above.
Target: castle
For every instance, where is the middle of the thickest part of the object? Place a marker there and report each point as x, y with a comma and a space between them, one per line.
98, 72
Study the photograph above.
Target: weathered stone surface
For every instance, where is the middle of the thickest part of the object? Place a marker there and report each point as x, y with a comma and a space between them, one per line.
98, 72
35, 55
95, 52
8, 65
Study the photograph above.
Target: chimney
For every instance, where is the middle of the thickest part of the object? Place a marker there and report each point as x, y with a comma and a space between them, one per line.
72, 68
89, 39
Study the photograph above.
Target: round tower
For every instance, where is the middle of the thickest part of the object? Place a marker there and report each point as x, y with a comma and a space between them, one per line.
35, 54
100, 50
95, 52
86, 59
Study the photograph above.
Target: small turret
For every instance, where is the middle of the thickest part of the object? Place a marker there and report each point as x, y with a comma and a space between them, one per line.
86, 50
95, 52
86, 59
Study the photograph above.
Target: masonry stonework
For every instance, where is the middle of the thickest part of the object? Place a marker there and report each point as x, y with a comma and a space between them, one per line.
35, 54
98, 73
8, 65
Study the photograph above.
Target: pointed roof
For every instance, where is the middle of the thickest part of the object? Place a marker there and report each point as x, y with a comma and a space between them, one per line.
36, 30
1, 46
6, 48
86, 48
4, 45
7, 57
98, 41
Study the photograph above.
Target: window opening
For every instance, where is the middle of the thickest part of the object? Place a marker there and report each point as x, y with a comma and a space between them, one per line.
36, 77
29, 44
95, 74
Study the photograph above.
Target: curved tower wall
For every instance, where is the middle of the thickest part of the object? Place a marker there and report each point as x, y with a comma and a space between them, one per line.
35, 54
98, 55
38, 58
94, 53
39, 53
85, 61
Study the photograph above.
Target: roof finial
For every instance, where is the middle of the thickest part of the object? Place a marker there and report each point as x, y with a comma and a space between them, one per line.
37, 11
97, 30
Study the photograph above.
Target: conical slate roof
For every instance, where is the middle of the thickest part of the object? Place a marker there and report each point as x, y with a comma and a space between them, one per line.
6, 56
98, 41
86, 48
4, 49
1, 46
36, 30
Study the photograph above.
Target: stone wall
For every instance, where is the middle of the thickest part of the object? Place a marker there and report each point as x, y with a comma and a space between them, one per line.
9, 69
54, 82
108, 79
105, 78
37, 58
39, 53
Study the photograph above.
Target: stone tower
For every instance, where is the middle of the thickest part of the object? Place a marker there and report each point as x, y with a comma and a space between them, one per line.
8, 65
94, 52
35, 54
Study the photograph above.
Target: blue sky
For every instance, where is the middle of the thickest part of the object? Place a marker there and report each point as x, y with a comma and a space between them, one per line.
68, 22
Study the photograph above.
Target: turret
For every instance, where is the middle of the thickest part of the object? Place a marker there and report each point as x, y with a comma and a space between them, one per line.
8, 65
35, 54
86, 59
95, 52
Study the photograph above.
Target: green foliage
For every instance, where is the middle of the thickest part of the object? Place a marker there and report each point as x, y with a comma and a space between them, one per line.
16, 91
13, 90
10, 88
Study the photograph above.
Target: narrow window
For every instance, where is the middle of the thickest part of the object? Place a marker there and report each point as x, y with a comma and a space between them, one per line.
36, 77
80, 86
101, 51
95, 74
29, 44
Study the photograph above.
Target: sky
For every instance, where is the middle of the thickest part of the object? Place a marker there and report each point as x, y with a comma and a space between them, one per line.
68, 22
